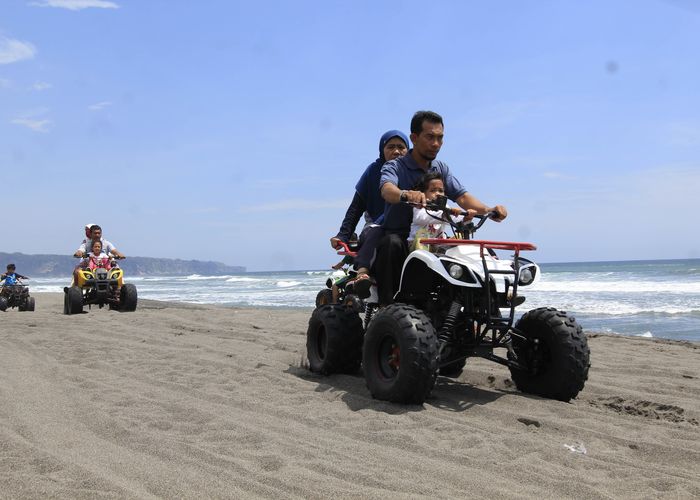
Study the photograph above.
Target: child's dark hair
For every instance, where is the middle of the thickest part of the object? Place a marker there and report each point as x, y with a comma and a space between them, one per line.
424, 181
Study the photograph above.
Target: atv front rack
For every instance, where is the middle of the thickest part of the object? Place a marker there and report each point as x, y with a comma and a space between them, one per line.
498, 327
517, 247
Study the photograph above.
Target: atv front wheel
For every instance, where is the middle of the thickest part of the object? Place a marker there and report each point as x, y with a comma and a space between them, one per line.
400, 355
334, 340
128, 297
555, 353
3, 303
28, 304
73, 300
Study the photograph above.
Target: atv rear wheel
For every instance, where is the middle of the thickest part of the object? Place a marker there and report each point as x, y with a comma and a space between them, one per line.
400, 355
334, 340
324, 297
128, 297
3, 303
557, 362
73, 300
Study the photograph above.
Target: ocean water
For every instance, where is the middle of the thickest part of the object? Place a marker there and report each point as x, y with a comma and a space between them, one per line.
659, 298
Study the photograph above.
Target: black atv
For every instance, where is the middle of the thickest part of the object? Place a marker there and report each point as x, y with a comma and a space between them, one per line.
16, 296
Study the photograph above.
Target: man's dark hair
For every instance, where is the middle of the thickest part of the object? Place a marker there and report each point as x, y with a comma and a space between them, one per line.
11, 266
422, 184
95, 226
423, 116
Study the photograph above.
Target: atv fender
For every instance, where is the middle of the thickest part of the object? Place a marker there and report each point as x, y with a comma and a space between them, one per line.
421, 266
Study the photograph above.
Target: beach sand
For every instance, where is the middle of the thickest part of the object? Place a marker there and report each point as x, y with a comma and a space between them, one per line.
183, 401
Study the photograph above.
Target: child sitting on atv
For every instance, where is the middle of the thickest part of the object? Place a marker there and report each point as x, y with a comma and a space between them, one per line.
431, 223
10, 278
96, 258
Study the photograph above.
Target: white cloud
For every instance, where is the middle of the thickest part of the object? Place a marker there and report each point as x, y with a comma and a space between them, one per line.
35, 125
34, 119
12, 50
39, 86
76, 4
291, 205
99, 106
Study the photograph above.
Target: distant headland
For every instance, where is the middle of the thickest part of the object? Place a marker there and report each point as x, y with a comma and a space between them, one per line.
62, 265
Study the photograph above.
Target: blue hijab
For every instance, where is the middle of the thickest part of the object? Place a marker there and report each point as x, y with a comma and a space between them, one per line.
368, 185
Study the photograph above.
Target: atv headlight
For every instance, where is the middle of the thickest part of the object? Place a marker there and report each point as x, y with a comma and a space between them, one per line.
526, 277
455, 271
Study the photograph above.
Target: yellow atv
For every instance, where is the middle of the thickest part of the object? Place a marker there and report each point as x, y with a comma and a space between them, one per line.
99, 286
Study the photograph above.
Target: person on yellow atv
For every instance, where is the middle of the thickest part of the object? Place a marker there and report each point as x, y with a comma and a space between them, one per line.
96, 234
96, 258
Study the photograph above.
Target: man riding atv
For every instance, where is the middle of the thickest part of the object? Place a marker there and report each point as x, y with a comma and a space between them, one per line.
95, 233
398, 180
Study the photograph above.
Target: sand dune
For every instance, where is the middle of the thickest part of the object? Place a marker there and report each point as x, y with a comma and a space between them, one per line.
202, 401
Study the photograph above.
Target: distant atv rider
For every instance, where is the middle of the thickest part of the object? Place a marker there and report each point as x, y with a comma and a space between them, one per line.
398, 178
96, 234
10, 278
368, 201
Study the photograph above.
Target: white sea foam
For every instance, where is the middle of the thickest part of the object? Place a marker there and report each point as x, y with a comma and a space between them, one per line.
197, 277
287, 284
631, 286
241, 279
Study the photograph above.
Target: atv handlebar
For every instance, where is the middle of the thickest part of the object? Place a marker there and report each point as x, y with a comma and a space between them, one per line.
112, 257
441, 206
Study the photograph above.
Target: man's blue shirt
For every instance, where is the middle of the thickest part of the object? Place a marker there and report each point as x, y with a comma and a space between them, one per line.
405, 173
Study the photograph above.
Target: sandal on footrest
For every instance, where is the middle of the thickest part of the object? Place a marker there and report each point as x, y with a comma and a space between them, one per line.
361, 285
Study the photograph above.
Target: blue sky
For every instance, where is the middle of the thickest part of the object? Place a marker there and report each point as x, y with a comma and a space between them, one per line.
234, 131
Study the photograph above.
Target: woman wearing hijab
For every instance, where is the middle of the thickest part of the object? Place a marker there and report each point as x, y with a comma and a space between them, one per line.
368, 201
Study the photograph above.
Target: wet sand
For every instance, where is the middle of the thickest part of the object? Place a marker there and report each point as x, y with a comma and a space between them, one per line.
179, 401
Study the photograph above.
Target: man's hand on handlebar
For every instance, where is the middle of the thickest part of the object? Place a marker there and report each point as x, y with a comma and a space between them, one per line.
416, 198
499, 213
335, 242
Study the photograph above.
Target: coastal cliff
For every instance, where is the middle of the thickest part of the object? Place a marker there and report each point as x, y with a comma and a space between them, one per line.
61, 265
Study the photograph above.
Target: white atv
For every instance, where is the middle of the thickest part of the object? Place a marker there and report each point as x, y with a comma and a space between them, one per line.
456, 300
